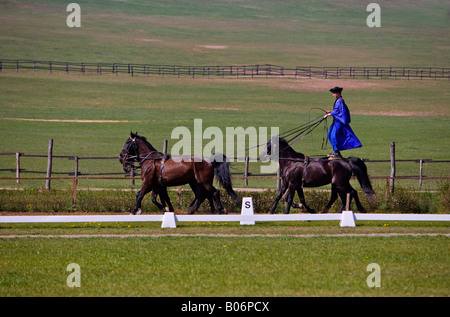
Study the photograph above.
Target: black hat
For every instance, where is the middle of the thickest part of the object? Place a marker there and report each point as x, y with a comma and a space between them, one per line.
336, 89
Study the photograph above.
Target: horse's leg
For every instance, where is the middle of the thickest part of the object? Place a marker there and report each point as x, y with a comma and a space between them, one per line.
197, 194
211, 204
137, 205
289, 198
333, 198
196, 203
343, 195
216, 195
165, 199
139, 196
212, 194
303, 201
360, 207
279, 195
154, 195
190, 210
193, 186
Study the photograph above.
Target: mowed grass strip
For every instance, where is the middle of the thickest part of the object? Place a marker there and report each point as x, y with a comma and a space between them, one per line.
225, 266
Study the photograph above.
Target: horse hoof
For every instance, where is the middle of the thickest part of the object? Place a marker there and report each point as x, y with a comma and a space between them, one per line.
139, 212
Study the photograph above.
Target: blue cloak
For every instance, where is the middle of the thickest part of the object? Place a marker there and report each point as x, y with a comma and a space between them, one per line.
340, 134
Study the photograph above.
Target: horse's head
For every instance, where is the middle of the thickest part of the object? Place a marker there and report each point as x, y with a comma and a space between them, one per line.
277, 147
270, 151
135, 149
130, 152
266, 151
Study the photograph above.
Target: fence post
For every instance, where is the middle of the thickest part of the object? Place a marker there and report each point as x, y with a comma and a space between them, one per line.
279, 174
247, 160
388, 192
18, 167
420, 173
49, 164
74, 194
76, 169
391, 182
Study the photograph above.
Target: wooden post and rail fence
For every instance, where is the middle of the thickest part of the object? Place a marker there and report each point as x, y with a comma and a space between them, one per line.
247, 71
76, 174
18, 170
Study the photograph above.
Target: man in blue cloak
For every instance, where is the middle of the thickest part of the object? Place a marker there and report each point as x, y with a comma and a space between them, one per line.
340, 134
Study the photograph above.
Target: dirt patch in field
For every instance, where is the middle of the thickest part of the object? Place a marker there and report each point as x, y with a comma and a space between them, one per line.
68, 120
325, 84
220, 108
396, 113
147, 40
214, 47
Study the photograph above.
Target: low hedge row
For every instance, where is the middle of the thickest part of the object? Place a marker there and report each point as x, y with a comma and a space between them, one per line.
116, 201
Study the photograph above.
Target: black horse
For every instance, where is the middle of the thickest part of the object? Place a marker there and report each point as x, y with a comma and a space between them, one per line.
298, 171
159, 172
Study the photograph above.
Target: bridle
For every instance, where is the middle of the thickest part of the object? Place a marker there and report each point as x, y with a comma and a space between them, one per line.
131, 160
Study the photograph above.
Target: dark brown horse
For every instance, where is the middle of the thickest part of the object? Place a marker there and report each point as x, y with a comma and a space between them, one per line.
300, 171
159, 172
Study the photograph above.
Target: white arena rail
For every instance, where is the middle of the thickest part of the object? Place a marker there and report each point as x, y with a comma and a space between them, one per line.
247, 217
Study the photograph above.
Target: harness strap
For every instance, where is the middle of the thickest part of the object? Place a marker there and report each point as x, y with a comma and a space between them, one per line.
161, 167
305, 165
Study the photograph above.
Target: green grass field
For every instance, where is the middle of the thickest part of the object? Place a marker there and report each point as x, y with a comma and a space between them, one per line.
414, 114
199, 32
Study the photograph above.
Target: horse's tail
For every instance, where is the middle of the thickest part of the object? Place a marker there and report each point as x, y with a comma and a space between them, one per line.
360, 170
222, 171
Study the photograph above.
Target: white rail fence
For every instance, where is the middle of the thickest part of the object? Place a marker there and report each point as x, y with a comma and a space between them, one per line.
247, 217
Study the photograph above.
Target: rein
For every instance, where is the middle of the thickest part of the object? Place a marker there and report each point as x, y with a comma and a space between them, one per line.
300, 132
133, 159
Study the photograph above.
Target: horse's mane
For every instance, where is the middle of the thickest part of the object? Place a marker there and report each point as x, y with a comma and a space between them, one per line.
284, 145
282, 142
143, 139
